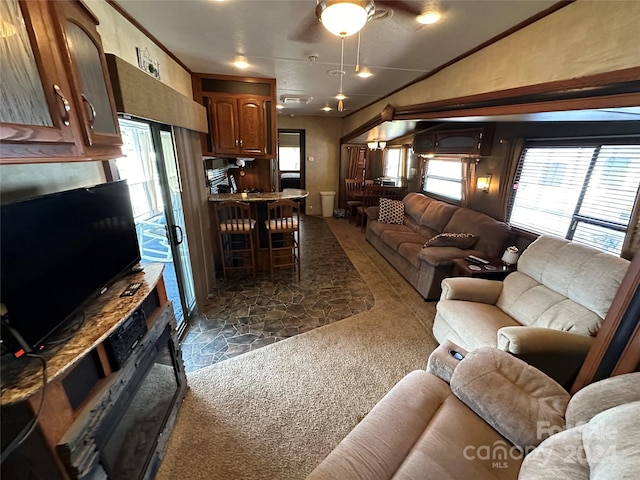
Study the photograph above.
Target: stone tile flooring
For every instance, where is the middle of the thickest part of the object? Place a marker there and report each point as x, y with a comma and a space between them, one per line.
244, 316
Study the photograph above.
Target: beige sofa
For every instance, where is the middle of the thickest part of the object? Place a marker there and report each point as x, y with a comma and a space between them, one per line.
424, 218
496, 410
546, 313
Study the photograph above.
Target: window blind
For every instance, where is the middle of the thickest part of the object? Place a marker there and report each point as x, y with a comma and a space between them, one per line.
582, 193
443, 177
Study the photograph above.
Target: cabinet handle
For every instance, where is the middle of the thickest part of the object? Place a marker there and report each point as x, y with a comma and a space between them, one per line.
65, 105
240, 143
236, 142
92, 110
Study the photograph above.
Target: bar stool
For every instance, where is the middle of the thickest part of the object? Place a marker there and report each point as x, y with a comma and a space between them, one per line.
235, 232
353, 187
283, 225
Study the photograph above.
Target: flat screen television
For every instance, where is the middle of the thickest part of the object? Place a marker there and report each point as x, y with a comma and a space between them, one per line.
59, 251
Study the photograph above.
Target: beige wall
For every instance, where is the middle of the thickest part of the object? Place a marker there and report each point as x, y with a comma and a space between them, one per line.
581, 39
24, 181
322, 136
121, 38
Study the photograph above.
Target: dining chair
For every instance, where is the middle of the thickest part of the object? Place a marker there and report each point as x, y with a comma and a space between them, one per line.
353, 188
283, 230
370, 198
236, 230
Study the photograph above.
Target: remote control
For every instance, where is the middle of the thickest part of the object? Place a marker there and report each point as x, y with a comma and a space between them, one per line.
131, 289
477, 259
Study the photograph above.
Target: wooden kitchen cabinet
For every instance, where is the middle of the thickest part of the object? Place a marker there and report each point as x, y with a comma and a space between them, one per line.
238, 125
241, 115
56, 95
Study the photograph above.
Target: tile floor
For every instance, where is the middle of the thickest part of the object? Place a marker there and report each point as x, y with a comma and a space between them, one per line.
243, 316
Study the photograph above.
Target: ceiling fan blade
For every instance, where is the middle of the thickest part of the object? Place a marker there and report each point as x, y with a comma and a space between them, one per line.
410, 8
309, 31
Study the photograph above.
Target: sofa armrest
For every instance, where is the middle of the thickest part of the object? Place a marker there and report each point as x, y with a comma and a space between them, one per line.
527, 340
557, 353
471, 290
372, 212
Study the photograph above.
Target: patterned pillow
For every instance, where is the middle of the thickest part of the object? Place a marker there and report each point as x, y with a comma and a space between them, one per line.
391, 211
460, 240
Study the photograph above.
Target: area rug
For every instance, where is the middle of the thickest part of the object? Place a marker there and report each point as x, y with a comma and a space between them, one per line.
276, 412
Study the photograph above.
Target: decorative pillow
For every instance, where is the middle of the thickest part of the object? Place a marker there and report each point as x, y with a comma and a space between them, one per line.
391, 211
460, 240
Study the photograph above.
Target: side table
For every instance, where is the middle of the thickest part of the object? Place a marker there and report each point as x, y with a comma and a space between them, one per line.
494, 270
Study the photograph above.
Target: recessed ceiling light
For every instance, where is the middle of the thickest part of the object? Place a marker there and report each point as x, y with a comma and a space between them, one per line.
327, 108
428, 18
341, 96
279, 106
365, 73
241, 64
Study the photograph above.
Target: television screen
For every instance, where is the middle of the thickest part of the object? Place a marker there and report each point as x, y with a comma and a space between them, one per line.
59, 250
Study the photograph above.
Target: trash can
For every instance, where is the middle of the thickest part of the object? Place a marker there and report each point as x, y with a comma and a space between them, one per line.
327, 199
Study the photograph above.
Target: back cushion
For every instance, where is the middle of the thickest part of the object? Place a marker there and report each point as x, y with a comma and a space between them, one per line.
436, 215
414, 205
583, 274
492, 234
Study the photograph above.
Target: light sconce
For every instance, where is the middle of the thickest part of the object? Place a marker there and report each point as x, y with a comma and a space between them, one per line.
483, 183
376, 145
344, 18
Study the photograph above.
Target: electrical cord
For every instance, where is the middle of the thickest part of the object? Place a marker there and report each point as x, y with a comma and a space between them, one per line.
29, 427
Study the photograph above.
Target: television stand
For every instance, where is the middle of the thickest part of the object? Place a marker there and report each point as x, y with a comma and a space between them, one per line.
97, 411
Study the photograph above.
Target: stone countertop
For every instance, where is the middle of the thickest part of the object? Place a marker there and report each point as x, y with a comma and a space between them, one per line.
22, 377
287, 193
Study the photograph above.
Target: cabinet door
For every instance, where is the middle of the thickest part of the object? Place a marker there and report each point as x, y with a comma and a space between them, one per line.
252, 126
224, 113
467, 141
87, 69
36, 118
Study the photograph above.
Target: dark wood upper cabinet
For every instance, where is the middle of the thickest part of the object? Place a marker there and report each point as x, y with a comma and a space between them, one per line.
56, 96
472, 141
241, 115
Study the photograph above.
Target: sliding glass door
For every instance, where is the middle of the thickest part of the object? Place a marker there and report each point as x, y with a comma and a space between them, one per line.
151, 170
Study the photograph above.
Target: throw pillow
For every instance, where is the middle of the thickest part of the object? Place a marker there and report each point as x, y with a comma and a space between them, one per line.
391, 211
460, 240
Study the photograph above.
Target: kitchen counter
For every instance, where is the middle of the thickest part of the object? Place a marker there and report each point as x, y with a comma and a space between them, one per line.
287, 193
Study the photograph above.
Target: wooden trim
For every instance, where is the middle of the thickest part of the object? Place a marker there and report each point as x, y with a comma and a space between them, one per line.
525, 23
236, 78
605, 337
365, 127
116, 6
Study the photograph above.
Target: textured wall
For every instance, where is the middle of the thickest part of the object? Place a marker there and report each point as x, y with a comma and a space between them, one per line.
121, 38
322, 135
584, 38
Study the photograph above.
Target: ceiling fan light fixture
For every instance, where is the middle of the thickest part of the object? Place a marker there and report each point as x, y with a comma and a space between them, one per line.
344, 18
429, 18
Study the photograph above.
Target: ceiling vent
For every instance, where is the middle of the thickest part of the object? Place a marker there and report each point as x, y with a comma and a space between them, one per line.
381, 14
295, 99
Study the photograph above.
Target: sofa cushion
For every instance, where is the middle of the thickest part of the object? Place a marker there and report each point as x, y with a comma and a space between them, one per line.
492, 234
559, 457
477, 323
583, 274
391, 211
516, 399
378, 227
409, 251
414, 206
394, 238
437, 214
460, 240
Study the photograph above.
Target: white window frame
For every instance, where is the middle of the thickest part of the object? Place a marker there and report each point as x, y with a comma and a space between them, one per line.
564, 188
432, 183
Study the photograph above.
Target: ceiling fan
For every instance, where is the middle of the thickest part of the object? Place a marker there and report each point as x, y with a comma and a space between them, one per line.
310, 31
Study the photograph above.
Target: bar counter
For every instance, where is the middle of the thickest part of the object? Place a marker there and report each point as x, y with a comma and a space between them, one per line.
287, 193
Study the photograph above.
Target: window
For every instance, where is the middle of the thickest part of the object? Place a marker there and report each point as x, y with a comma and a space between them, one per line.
394, 164
443, 177
582, 193
289, 159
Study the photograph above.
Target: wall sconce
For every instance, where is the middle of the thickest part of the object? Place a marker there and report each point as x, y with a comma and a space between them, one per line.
376, 145
484, 182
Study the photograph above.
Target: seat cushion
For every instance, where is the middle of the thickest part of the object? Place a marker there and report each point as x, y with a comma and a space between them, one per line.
285, 223
476, 323
418, 427
395, 238
237, 225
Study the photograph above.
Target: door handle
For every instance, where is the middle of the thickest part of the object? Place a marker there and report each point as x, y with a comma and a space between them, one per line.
175, 230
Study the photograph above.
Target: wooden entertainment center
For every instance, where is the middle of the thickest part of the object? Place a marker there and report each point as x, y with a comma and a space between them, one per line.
98, 410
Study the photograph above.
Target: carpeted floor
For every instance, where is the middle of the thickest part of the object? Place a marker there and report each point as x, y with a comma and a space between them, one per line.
276, 412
